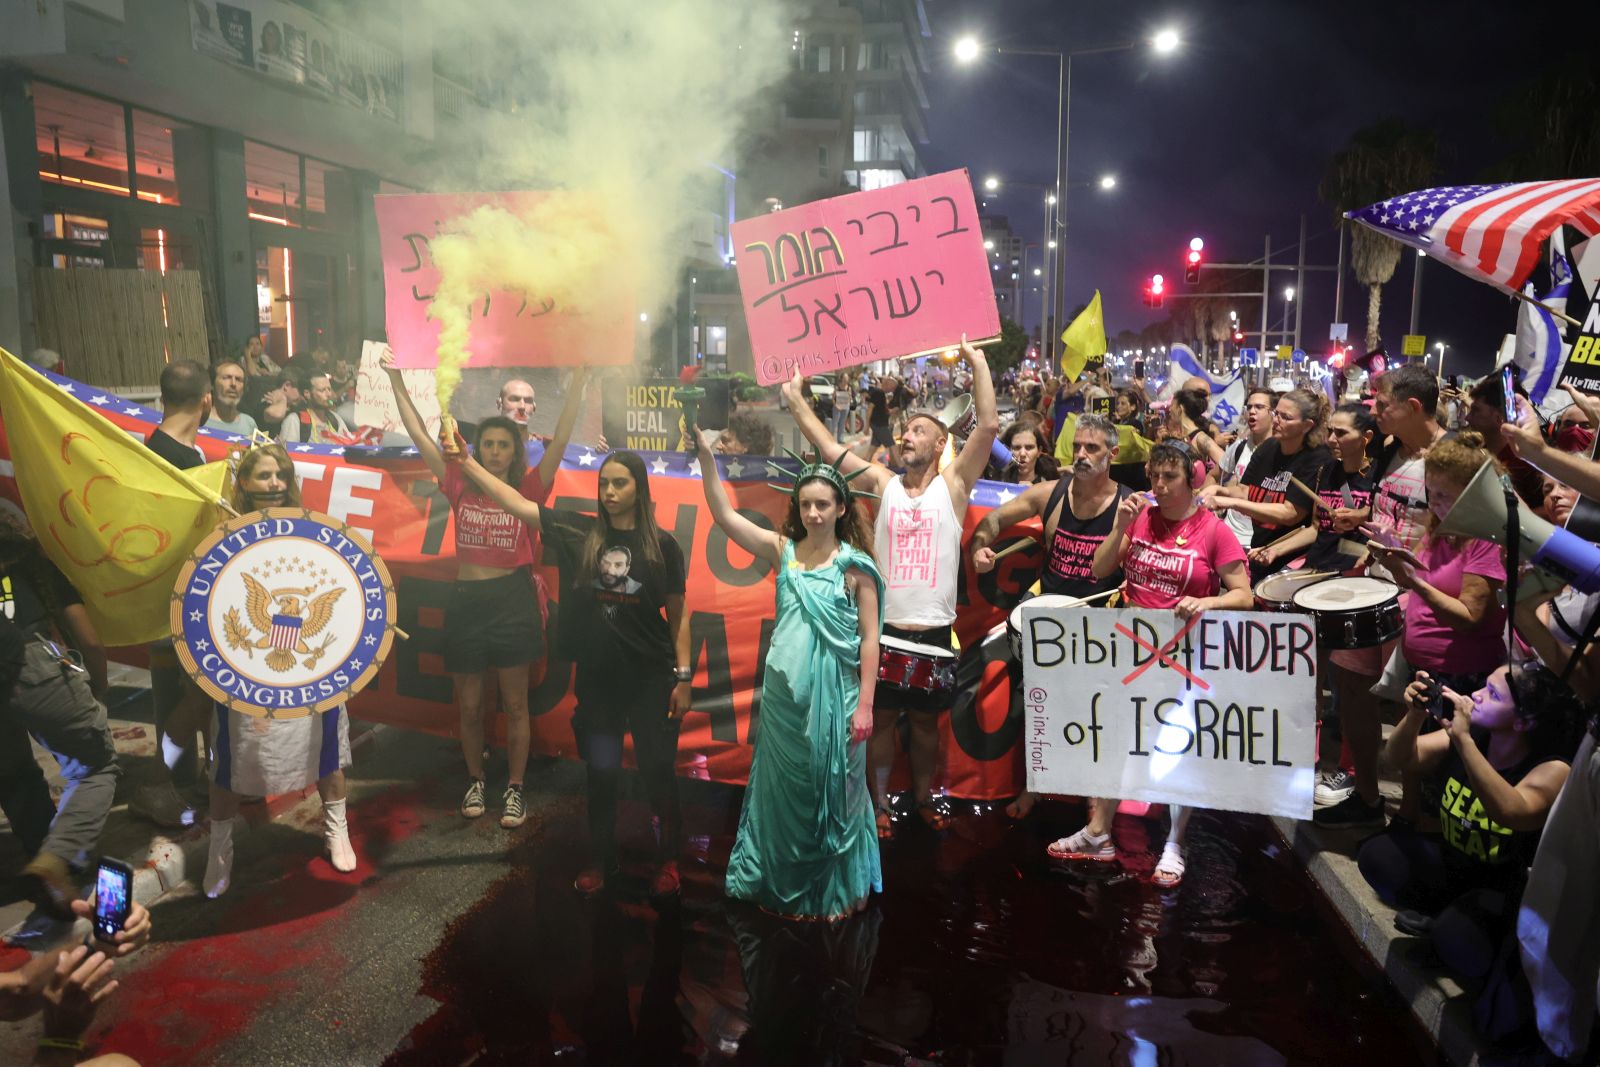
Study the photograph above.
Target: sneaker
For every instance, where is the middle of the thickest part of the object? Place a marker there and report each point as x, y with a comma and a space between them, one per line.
162, 805
49, 885
1334, 786
1412, 922
514, 814
472, 803
1351, 813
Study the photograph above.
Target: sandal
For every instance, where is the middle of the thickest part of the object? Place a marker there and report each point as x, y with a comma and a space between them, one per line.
933, 815
1020, 808
1083, 846
1169, 871
885, 824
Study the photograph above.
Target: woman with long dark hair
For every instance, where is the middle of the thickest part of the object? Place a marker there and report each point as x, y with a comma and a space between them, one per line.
493, 619
256, 756
1031, 461
807, 845
623, 624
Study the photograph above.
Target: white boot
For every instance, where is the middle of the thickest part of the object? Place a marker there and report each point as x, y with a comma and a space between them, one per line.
219, 860
337, 834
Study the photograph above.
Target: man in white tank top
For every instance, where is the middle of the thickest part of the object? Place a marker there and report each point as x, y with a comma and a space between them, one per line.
917, 542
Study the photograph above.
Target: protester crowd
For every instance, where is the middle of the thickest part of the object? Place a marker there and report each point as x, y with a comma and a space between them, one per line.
1483, 686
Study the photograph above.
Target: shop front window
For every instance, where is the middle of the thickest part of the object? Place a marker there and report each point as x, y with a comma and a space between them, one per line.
81, 140
76, 240
272, 184
299, 297
154, 160
330, 197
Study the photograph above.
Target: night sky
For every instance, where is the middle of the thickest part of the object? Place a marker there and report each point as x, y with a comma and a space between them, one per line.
1228, 138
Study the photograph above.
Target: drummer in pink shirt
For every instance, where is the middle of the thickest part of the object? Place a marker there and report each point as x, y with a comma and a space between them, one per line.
1177, 555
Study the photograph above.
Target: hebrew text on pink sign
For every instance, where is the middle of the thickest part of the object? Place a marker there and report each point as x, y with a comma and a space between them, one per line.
509, 329
894, 272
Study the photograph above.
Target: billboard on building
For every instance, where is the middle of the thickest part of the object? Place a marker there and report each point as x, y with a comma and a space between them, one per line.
287, 43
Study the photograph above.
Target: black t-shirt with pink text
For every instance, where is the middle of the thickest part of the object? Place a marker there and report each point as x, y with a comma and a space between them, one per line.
1337, 488
1069, 557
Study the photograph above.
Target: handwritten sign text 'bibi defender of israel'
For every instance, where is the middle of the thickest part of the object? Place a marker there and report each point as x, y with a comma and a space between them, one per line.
509, 328
1216, 712
895, 272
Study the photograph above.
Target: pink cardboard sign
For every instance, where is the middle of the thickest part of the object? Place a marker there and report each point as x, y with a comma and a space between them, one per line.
509, 329
895, 272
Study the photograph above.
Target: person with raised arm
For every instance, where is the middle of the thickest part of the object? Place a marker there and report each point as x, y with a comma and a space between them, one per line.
806, 846
493, 619
917, 543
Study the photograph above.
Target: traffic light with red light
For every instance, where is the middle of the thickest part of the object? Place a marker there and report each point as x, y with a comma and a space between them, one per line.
1191, 262
1155, 291
1238, 337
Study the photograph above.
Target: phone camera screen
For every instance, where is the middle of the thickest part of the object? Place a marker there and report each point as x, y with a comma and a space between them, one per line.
111, 901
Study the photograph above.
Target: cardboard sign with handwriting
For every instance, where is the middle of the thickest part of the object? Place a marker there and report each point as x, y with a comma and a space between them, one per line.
375, 403
899, 271
509, 328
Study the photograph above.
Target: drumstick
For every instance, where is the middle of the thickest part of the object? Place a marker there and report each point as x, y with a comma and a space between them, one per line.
1281, 540
1312, 493
1098, 596
399, 632
1018, 547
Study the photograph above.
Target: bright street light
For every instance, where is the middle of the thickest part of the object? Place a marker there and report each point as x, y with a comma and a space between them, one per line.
991, 183
967, 49
643, 317
1164, 42
1051, 242
1037, 272
1108, 181
1050, 198
988, 244
1288, 292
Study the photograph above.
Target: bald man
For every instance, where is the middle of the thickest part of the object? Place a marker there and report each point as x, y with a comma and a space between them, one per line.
516, 401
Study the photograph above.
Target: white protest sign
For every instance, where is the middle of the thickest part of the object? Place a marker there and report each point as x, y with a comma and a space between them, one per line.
1216, 712
375, 403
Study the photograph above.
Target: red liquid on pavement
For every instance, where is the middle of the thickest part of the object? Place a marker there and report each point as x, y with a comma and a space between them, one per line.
979, 950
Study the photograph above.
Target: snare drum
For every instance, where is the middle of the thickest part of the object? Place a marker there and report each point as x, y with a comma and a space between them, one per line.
1353, 613
1043, 600
916, 673
1276, 592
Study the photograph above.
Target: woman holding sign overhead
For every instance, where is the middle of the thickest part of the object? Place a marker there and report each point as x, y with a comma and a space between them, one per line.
1177, 556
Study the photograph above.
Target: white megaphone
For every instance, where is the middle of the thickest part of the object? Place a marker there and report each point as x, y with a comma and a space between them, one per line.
1480, 511
960, 417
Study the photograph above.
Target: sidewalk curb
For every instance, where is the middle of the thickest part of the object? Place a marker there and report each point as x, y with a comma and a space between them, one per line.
1438, 1004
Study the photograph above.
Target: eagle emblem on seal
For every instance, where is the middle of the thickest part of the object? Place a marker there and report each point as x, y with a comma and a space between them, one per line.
281, 621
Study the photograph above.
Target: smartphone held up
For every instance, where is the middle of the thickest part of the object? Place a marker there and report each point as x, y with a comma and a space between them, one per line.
113, 898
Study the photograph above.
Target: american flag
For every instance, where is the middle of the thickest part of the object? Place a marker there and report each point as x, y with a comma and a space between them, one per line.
1489, 232
285, 632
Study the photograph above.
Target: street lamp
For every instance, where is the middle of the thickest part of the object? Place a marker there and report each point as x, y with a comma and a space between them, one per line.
968, 48
991, 183
1108, 181
1288, 293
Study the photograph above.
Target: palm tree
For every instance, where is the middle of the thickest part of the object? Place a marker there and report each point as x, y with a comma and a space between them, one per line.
1380, 161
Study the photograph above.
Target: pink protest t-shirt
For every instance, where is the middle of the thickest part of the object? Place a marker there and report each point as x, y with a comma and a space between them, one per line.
1430, 644
1168, 561
486, 534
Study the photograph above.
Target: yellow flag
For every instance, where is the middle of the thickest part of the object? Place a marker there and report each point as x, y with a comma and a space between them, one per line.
1132, 446
116, 518
1083, 340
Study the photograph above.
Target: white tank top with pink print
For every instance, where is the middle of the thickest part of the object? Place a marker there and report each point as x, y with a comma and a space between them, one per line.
917, 542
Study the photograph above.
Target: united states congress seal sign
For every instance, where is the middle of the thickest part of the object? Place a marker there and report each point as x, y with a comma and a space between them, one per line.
282, 613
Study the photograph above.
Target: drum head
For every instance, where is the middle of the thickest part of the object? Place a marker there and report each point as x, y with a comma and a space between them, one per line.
1346, 594
1281, 588
1044, 600
911, 648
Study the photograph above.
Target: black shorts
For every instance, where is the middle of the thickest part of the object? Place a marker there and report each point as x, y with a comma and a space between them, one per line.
493, 622
892, 699
882, 435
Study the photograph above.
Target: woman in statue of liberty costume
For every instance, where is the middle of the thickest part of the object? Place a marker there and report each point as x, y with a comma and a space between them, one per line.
807, 846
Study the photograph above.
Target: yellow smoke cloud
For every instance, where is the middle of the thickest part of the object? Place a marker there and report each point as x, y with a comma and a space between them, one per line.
622, 111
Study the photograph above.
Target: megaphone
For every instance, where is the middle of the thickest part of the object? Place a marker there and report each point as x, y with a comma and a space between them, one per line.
960, 417
1480, 511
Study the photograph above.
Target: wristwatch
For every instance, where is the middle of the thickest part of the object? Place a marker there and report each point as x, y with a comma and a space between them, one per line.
683, 674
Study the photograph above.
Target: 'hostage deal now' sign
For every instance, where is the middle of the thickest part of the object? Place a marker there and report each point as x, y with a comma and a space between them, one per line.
1216, 712
895, 272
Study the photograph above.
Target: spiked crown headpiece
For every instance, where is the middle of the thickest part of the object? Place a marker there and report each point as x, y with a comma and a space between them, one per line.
828, 472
